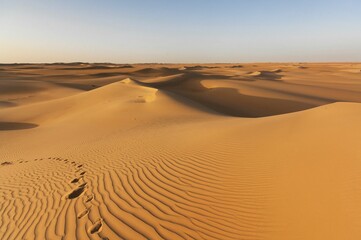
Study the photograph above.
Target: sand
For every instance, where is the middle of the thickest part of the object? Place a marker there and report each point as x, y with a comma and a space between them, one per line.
218, 151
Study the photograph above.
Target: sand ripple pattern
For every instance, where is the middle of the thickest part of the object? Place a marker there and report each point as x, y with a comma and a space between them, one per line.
158, 193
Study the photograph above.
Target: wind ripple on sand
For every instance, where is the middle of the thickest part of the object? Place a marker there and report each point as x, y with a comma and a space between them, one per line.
164, 194
32, 199
176, 195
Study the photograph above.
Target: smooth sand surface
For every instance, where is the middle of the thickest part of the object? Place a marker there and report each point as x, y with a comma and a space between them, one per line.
219, 151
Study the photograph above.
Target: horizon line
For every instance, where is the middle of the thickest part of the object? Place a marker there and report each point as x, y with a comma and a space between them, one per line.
175, 63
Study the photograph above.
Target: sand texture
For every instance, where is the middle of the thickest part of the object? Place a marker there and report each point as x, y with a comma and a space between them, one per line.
217, 151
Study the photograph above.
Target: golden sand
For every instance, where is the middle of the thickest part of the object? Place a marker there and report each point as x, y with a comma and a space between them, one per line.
222, 151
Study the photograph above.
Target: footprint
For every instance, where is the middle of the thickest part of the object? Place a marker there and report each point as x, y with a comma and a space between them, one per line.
75, 180
6, 163
84, 213
96, 227
76, 192
79, 166
88, 198
82, 173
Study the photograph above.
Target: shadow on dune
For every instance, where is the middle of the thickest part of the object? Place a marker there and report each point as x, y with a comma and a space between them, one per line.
31, 67
7, 104
156, 72
103, 75
236, 66
7, 126
189, 78
230, 102
18, 86
200, 67
266, 75
227, 101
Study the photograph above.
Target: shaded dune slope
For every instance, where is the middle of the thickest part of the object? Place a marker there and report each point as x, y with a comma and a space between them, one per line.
226, 100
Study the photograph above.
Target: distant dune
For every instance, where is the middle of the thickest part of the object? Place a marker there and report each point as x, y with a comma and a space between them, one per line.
211, 151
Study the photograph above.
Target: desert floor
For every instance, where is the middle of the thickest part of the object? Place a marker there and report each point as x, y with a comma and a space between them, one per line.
217, 151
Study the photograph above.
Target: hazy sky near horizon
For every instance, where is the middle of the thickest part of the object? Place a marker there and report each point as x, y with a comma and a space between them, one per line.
180, 31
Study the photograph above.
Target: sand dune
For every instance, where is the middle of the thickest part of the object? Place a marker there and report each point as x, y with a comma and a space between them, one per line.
154, 152
267, 75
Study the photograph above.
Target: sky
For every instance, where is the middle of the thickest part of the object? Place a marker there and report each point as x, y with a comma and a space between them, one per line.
180, 31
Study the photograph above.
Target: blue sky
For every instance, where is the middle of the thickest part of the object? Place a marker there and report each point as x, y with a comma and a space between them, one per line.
180, 31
